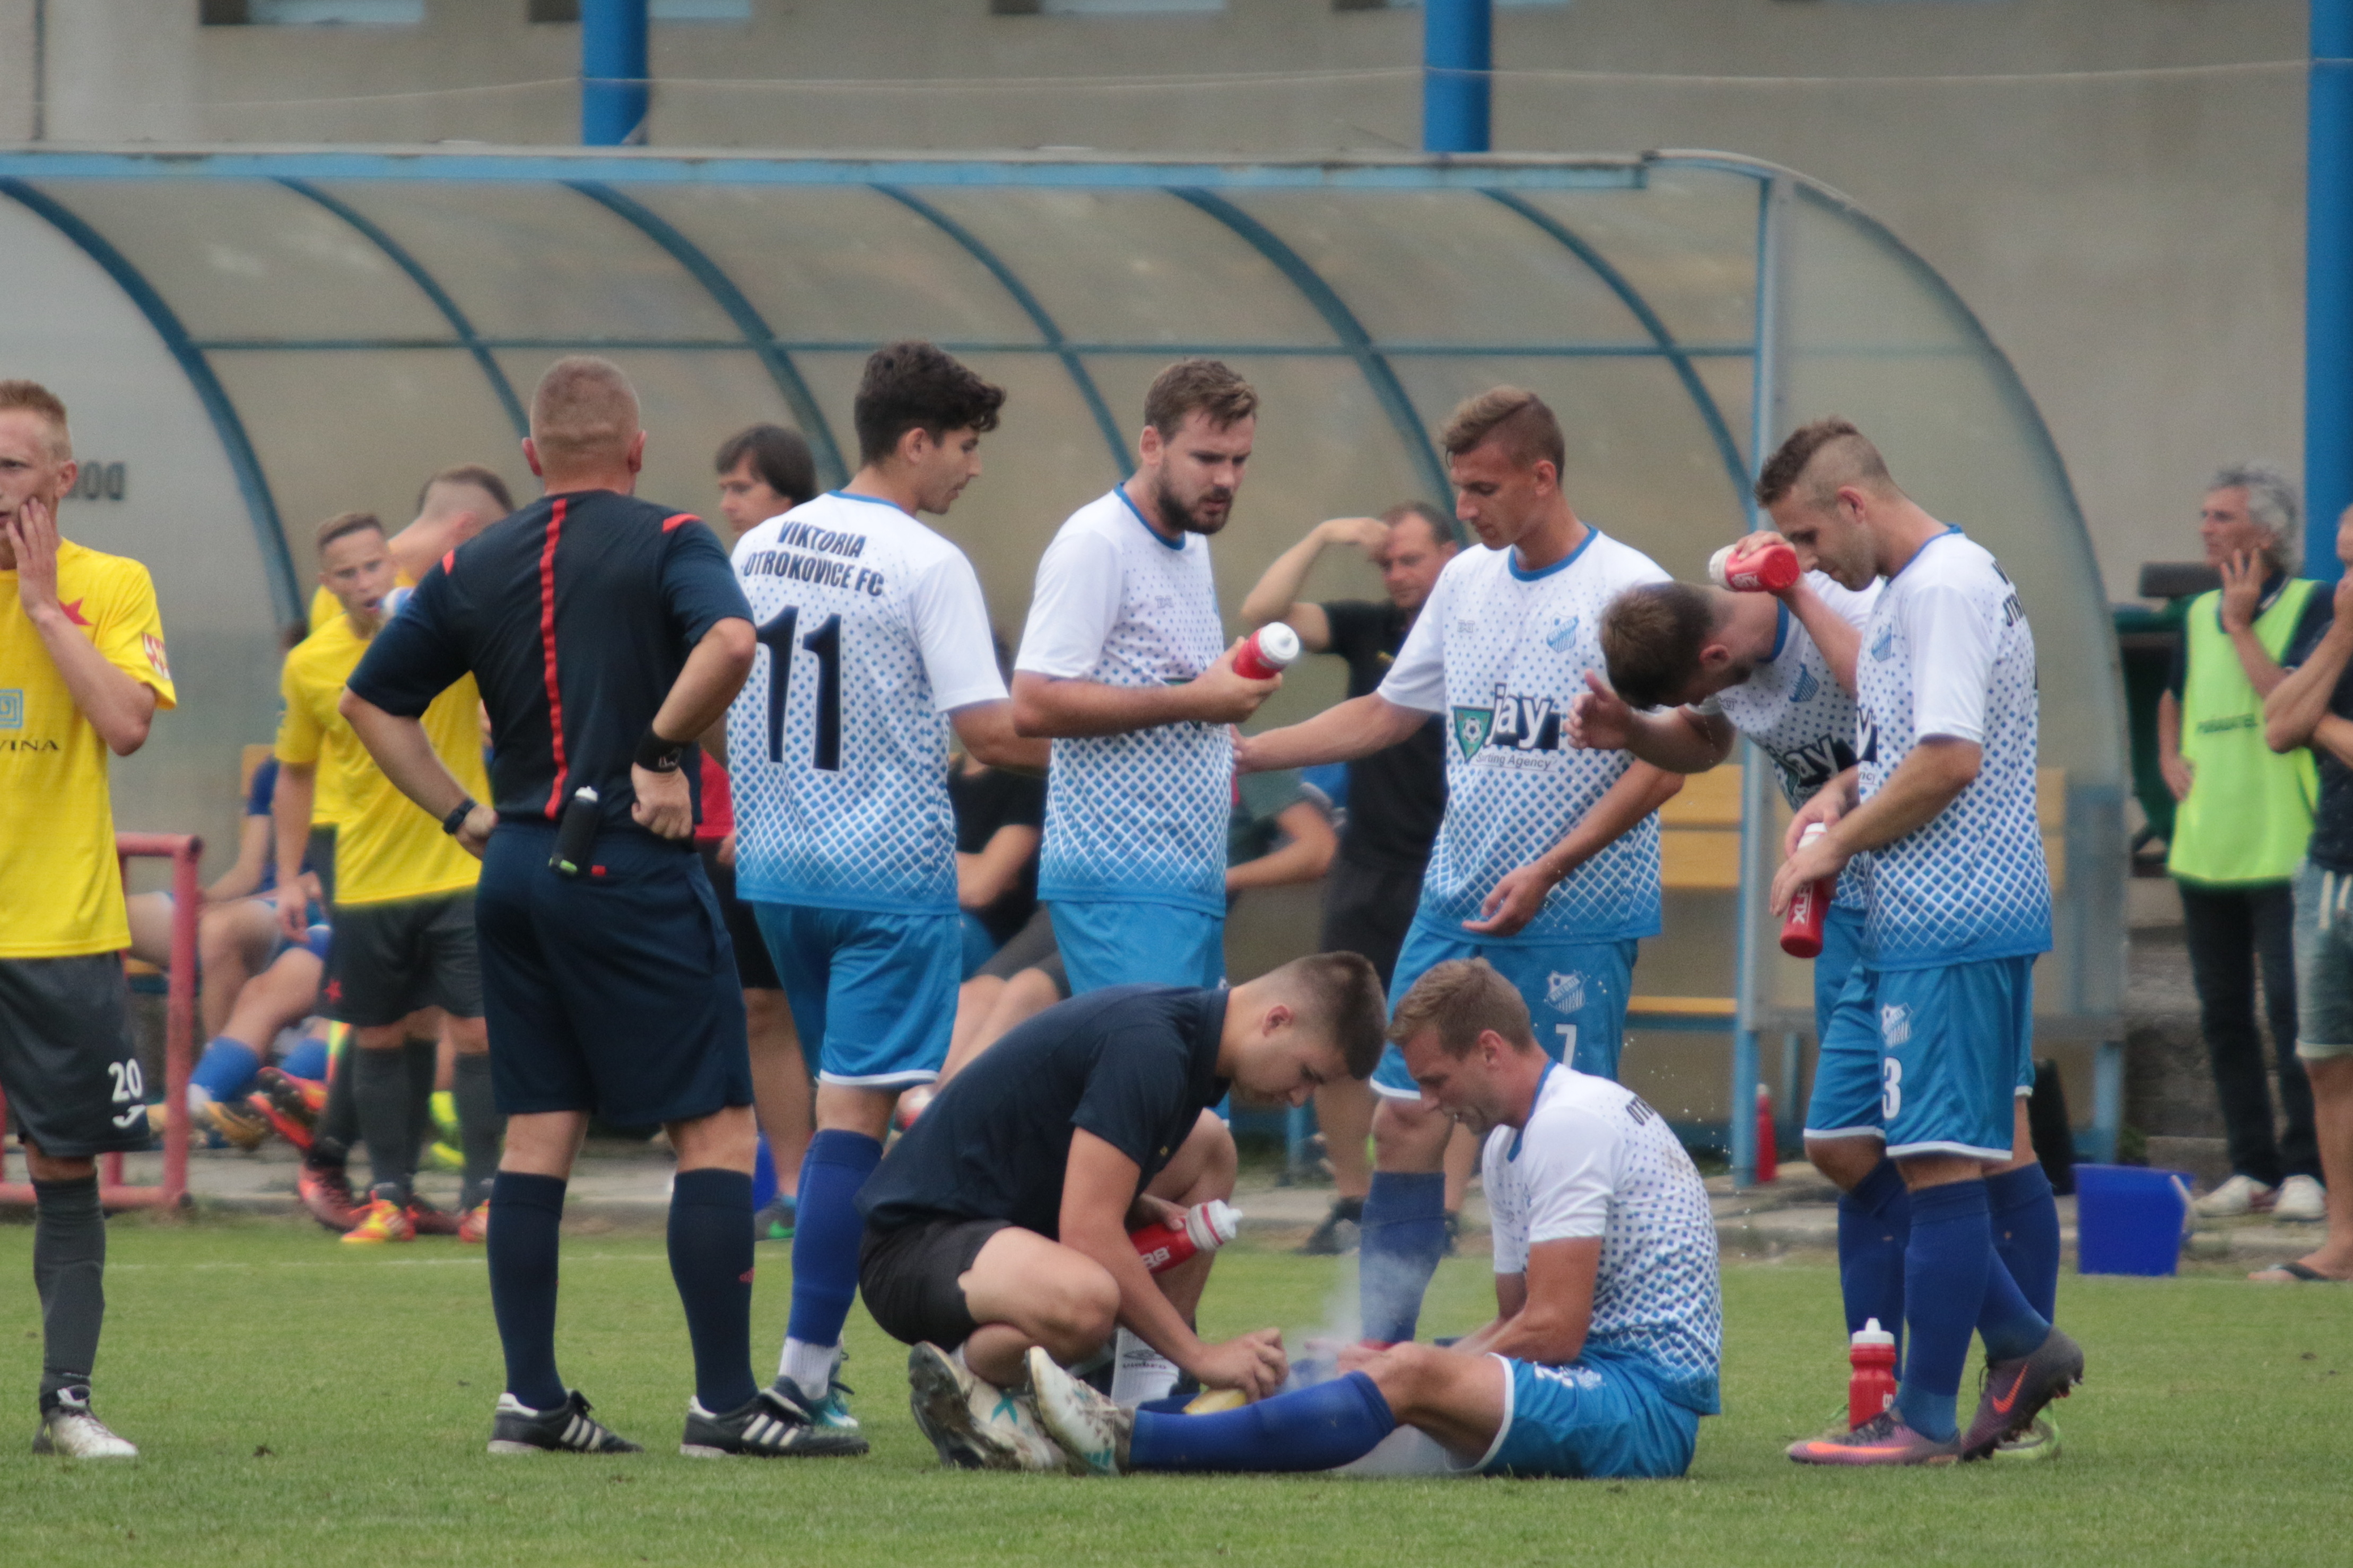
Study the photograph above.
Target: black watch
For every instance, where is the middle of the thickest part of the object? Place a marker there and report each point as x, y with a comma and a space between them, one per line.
456, 817
656, 755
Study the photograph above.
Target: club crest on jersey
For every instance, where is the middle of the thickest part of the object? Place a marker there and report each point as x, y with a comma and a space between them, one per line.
1565, 993
1803, 690
1561, 636
1895, 1024
12, 709
1471, 728
1883, 644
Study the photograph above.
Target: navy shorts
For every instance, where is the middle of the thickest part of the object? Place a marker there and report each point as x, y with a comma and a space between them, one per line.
614, 990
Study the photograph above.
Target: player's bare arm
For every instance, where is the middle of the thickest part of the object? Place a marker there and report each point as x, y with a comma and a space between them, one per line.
1309, 843
1342, 733
1542, 1316
1098, 1193
1930, 776
118, 707
1680, 740
403, 750
2296, 705
1046, 707
1515, 900
985, 730
289, 821
983, 877
714, 672
1275, 596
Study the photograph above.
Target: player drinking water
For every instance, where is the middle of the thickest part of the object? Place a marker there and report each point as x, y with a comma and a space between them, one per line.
877, 643
1547, 863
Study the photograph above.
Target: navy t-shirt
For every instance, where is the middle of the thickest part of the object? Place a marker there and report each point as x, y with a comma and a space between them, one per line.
574, 616
1397, 797
1134, 1065
2331, 846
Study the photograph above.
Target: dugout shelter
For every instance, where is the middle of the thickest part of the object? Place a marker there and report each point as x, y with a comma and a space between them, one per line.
251, 340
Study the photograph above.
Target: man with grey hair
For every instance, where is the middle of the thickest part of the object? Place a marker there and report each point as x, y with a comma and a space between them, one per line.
2240, 828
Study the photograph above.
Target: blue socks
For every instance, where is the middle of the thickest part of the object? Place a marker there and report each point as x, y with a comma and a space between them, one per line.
1874, 1226
1945, 1274
827, 1231
711, 1261
522, 1253
2026, 1234
1307, 1429
1400, 1240
226, 1069
308, 1059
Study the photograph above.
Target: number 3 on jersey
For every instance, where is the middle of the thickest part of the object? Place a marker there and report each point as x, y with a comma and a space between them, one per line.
825, 642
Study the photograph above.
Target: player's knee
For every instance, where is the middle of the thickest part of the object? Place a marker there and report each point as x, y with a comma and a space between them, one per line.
1079, 1311
1210, 1146
1406, 1374
1845, 1160
472, 1036
1407, 1137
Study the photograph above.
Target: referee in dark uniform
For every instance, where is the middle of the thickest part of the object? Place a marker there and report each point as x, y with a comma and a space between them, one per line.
607, 633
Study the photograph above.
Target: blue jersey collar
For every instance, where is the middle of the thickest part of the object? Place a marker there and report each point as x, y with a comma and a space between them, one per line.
1780, 633
1536, 1100
1158, 538
869, 500
1512, 558
1952, 530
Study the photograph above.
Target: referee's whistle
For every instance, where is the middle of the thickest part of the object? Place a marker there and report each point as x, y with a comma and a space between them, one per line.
575, 835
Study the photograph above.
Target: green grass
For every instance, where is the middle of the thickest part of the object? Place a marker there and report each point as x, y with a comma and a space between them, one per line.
298, 1403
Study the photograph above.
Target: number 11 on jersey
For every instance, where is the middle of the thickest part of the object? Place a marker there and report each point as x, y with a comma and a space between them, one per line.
825, 642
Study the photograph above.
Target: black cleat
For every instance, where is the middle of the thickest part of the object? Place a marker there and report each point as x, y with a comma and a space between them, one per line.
1337, 1236
775, 1425
568, 1428
2015, 1391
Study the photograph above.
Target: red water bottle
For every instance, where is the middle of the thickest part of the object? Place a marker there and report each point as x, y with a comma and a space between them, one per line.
1205, 1229
1871, 1386
1802, 933
1767, 567
1266, 652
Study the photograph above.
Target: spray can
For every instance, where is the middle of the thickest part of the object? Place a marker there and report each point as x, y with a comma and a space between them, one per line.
1802, 933
1205, 1229
1266, 652
576, 833
1871, 1386
1764, 568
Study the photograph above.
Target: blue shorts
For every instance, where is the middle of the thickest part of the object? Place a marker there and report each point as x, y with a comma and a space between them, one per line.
1107, 942
1931, 1060
1842, 952
614, 992
873, 995
1575, 993
1590, 1418
977, 946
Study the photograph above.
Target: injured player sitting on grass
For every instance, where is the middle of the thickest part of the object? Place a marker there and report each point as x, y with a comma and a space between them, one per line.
1602, 1355
1002, 1220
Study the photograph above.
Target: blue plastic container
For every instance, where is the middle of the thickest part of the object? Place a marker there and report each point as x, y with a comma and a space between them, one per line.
2130, 1219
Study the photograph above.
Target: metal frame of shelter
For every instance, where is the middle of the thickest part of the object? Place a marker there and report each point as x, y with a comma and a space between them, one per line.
603, 175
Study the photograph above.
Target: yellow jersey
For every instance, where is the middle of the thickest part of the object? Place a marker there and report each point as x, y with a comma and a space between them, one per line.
330, 802
61, 888
387, 849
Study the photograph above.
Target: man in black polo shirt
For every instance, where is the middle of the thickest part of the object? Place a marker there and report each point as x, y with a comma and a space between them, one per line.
1000, 1220
1395, 797
606, 634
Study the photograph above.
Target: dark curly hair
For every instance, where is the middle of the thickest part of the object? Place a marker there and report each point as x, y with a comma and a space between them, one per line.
916, 386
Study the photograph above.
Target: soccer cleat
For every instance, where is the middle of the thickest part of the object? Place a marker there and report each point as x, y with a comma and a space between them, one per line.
567, 1428
974, 1425
380, 1221
832, 1411
1882, 1440
1092, 1430
776, 1424
2300, 1198
2017, 1389
476, 1225
326, 1193
1337, 1236
2240, 1195
68, 1428
2039, 1441
239, 1126
775, 1221
427, 1220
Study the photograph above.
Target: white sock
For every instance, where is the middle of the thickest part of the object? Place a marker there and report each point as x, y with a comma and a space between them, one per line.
809, 1366
1141, 1372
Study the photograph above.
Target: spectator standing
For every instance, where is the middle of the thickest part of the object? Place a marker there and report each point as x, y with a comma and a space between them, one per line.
2245, 813
1397, 797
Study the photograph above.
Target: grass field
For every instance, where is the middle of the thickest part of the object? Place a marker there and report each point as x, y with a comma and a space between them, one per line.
299, 1402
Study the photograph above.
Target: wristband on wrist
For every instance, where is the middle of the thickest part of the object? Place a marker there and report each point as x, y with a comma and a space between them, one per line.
656, 755
457, 814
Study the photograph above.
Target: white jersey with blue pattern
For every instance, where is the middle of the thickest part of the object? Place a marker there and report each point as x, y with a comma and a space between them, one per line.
1948, 652
1138, 817
1595, 1161
1794, 709
1501, 653
872, 629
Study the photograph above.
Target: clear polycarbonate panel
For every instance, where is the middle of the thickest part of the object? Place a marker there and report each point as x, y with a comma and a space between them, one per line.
541, 261
253, 259
1134, 267
1446, 267
424, 409
1686, 242
842, 265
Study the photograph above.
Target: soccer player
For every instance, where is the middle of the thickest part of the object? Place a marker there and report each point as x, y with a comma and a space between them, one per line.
1546, 864
1602, 1354
1958, 904
82, 672
1120, 664
606, 633
404, 913
453, 506
1396, 797
1000, 1221
765, 471
878, 645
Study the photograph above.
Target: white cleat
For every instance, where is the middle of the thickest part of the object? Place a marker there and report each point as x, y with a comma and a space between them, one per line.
2302, 1199
1092, 1430
68, 1428
2239, 1196
974, 1425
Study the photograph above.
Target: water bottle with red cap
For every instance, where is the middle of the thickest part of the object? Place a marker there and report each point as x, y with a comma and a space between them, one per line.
1767, 566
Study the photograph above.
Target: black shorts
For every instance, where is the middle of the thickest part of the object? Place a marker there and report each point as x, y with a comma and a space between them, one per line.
908, 1276
67, 1062
754, 968
385, 961
1031, 947
613, 991
321, 854
1368, 910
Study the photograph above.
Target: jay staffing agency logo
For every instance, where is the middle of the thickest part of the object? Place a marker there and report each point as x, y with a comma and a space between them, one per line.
1514, 723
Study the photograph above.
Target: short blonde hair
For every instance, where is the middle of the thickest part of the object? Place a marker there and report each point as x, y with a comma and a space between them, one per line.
1462, 999
33, 398
583, 408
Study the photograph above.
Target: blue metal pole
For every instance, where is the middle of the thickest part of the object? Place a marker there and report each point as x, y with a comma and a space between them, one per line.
1458, 51
2329, 287
613, 68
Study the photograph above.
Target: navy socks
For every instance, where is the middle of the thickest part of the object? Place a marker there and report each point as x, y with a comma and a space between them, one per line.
1400, 1239
711, 1261
2026, 1234
1307, 1429
1944, 1275
1874, 1226
826, 1233
523, 1255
